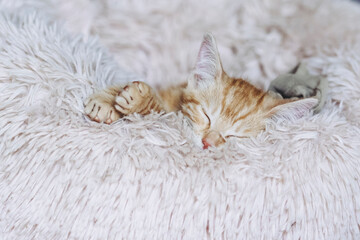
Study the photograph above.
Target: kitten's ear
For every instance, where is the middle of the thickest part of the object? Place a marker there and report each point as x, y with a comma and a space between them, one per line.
208, 65
293, 110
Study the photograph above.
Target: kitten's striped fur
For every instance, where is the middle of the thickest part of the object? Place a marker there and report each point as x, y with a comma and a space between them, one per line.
218, 106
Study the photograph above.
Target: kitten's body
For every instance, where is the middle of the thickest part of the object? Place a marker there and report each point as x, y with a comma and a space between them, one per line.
218, 106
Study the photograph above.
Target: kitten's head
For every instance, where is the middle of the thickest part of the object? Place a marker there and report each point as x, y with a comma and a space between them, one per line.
220, 107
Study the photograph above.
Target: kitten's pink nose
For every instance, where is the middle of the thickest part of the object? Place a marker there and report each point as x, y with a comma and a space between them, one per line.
205, 143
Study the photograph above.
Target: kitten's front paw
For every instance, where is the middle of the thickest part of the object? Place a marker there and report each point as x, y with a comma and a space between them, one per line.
99, 109
133, 98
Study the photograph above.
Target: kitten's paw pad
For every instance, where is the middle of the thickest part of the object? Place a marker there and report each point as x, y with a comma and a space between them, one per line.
100, 111
133, 97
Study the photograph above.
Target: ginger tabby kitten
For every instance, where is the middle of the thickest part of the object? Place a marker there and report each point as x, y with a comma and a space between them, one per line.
217, 106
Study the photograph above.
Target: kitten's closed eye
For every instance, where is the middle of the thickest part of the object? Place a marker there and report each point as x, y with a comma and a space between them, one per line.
234, 136
207, 116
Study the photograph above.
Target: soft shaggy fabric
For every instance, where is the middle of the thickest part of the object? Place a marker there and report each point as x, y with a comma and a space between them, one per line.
65, 177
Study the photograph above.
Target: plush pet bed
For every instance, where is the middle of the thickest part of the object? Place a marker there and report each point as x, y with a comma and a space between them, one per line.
65, 177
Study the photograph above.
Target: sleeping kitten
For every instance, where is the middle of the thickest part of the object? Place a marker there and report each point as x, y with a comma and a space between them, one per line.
218, 106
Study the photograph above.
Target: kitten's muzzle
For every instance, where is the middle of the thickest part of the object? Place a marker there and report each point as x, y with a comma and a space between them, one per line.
212, 138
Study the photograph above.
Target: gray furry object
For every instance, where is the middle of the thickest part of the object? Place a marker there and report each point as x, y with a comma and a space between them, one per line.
298, 83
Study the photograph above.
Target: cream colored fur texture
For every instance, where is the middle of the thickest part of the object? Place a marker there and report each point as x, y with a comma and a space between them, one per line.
63, 176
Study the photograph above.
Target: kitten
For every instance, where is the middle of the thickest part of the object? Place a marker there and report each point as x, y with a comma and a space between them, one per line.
217, 106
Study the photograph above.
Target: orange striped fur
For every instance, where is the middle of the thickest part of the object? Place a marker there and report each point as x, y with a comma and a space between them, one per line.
218, 106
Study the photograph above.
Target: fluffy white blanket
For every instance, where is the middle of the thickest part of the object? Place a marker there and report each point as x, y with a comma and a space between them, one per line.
63, 176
